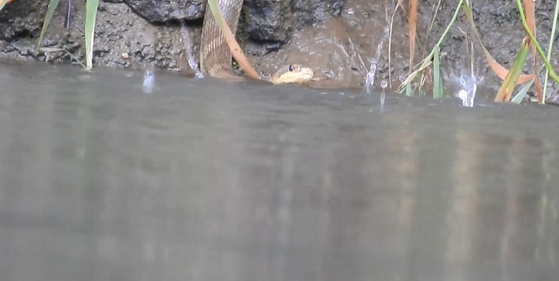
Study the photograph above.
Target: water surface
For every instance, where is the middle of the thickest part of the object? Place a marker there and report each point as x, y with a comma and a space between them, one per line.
206, 180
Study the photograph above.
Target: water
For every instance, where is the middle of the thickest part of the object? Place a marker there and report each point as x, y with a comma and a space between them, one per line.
149, 79
370, 77
204, 180
468, 90
188, 49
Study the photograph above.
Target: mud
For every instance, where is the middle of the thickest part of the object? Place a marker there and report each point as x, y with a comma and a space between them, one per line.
339, 48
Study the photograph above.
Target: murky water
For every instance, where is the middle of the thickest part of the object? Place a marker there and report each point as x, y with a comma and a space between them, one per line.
205, 180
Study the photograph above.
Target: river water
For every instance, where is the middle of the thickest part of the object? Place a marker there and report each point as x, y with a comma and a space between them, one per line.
209, 180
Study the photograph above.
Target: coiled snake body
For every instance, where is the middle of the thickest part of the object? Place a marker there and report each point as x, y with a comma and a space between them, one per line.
215, 56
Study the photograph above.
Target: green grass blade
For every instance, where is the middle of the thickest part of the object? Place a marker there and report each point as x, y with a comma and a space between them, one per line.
505, 92
437, 83
535, 42
90, 15
553, 26
427, 61
409, 91
522, 93
53, 4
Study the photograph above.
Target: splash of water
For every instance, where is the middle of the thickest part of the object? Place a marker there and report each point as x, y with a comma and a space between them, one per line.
370, 78
188, 48
149, 80
383, 85
468, 92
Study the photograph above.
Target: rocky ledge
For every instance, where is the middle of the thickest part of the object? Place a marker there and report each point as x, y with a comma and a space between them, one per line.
131, 33
337, 38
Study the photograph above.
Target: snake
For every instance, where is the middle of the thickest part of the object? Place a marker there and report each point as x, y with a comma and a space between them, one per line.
215, 55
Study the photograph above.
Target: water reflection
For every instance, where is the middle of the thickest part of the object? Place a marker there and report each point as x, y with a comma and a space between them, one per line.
209, 181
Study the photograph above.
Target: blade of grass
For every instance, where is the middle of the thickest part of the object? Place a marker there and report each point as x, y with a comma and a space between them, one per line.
3, 3
55, 50
68, 18
505, 92
531, 21
236, 50
522, 93
530, 15
552, 73
90, 16
48, 17
497, 68
409, 90
437, 81
433, 18
51, 49
426, 81
427, 60
553, 27
398, 4
412, 22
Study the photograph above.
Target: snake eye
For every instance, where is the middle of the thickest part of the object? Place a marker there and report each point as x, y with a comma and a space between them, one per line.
291, 67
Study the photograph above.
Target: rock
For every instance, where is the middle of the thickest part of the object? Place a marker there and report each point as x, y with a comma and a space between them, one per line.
21, 19
167, 10
268, 20
273, 20
315, 11
261, 49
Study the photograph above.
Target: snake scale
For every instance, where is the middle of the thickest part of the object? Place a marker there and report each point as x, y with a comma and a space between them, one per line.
215, 56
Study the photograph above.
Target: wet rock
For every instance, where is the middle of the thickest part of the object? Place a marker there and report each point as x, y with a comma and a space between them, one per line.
22, 19
167, 10
315, 11
261, 49
273, 20
124, 40
268, 20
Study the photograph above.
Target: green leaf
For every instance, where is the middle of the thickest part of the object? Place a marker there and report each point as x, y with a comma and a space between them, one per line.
509, 84
90, 16
522, 93
554, 25
437, 81
548, 66
53, 4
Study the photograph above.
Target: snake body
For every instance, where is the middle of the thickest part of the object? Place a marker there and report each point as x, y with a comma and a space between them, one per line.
215, 56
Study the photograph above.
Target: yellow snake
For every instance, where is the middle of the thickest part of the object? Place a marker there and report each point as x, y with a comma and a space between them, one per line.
215, 56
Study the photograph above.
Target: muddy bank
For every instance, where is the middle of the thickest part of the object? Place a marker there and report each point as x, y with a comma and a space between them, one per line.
338, 39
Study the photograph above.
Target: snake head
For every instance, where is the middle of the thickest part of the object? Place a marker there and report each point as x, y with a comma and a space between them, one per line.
293, 73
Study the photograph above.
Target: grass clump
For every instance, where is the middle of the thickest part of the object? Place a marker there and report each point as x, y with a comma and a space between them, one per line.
511, 77
89, 30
